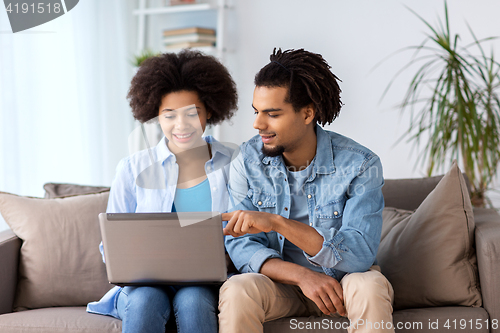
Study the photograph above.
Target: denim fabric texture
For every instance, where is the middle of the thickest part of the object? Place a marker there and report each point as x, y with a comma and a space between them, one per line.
148, 309
344, 203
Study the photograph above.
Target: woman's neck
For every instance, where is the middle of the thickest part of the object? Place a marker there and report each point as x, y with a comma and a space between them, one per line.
195, 154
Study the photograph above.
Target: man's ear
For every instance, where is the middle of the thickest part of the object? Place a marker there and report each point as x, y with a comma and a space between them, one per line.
309, 113
209, 115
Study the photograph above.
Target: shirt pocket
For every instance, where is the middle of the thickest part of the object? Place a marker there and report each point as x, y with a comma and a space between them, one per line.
263, 201
330, 214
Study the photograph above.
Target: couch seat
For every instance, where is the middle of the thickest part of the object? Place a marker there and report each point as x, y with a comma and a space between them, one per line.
75, 319
63, 319
418, 316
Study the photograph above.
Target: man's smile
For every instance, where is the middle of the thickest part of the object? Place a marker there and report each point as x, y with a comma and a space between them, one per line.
266, 138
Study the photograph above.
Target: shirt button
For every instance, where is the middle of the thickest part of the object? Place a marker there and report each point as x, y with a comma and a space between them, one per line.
259, 203
286, 208
335, 213
309, 196
311, 224
281, 237
214, 188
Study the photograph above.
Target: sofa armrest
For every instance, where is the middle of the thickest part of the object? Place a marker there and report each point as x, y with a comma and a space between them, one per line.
488, 259
9, 260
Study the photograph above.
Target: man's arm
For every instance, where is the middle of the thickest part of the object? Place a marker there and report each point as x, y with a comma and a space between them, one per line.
322, 289
352, 248
243, 222
250, 251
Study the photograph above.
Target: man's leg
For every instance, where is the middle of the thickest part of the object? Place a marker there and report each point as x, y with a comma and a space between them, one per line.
368, 299
248, 300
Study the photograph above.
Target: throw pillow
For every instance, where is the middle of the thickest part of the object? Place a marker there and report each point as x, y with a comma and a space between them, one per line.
57, 190
60, 263
428, 255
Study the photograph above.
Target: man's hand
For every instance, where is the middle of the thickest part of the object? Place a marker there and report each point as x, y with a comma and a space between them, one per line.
324, 291
241, 222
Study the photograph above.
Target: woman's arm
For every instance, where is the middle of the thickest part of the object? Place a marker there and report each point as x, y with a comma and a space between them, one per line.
122, 197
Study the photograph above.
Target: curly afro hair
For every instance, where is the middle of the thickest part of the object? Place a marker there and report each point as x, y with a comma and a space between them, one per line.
189, 71
308, 79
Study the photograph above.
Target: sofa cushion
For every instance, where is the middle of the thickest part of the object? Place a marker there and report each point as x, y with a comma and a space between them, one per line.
61, 319
427, 320
428, 255
410, 193
60, 263
58, 190
75, 319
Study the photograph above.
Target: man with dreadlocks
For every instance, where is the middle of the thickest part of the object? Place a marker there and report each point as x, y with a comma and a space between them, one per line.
307, 210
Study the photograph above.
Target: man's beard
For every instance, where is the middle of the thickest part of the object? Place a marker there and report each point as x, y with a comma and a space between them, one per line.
274, 151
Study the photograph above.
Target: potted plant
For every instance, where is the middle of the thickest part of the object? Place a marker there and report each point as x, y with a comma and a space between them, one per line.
453, 99
142, 56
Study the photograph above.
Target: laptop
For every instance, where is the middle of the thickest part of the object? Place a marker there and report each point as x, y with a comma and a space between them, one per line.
163, 248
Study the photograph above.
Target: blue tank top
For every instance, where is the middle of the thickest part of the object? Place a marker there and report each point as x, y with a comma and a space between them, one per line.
193, 199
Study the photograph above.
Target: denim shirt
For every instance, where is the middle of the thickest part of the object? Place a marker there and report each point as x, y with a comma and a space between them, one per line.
146, 182
344, 202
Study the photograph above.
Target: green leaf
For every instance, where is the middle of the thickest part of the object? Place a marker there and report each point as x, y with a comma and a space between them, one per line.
453, 99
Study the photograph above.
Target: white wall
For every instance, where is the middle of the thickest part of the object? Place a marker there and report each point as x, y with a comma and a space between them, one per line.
63, 113
353, 36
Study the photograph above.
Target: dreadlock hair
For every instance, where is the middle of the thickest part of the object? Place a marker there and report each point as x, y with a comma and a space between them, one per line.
189, 71
308, 79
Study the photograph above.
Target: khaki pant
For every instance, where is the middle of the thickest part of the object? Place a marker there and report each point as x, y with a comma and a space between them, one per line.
248, 300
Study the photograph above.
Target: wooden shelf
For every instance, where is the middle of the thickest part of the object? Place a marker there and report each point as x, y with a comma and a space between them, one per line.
212, 50
174, 9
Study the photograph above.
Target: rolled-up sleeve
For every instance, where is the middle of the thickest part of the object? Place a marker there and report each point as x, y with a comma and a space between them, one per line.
354, 246
248, 252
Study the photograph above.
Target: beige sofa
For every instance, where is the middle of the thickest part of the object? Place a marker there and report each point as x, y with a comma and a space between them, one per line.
403, 194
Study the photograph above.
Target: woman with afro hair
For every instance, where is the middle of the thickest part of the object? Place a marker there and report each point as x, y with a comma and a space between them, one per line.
184, 92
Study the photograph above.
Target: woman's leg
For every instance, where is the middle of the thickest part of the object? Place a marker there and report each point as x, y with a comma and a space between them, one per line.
195, 309
143, 309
